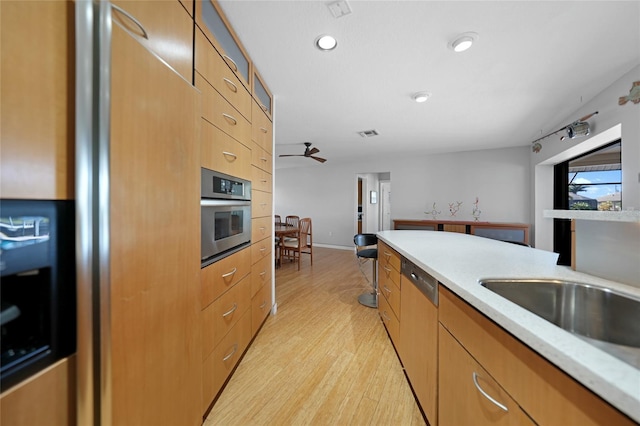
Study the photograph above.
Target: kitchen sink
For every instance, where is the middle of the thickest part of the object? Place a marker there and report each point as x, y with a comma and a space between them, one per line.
603, 317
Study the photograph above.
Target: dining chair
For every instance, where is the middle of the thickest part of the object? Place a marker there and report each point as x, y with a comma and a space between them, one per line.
277, 219
292, 220
294, 248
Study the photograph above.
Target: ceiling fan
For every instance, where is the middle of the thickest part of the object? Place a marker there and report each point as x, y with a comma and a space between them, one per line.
308, 152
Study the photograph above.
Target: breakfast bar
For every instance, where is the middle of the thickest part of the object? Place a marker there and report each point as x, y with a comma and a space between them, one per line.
460, 261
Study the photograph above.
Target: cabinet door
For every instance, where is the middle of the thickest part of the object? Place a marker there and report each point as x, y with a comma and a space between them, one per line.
419, 346
36, 100
154, 317
468, 394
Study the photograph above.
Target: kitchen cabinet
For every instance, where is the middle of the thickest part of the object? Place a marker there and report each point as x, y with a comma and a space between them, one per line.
37, 100
262, 95
47, 398
418, 347
389, 287
169, 30
513, 232
222, 153
153, 345
468, 394
213, 23
508, 367
261, 128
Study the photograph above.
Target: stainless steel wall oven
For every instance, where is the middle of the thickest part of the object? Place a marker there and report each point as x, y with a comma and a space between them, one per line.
225, 208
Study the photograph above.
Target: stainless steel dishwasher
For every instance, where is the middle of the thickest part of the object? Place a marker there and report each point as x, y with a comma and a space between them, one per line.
419, 335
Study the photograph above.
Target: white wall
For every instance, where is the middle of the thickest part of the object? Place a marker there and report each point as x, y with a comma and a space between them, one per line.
327, 192
612, 121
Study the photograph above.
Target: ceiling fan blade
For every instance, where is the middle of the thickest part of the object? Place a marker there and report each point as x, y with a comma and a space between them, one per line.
586, 117
313, 151
322, 160
292, 155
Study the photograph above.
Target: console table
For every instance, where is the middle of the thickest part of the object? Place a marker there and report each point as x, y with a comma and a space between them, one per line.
511, 232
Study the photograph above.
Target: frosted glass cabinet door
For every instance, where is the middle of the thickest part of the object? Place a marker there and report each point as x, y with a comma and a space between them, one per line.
224, 40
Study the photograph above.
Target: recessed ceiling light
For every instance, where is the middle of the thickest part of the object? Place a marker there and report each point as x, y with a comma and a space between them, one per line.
463, 42
326, 42
421, 96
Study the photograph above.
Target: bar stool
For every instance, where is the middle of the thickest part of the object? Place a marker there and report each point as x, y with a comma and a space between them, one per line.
364, 250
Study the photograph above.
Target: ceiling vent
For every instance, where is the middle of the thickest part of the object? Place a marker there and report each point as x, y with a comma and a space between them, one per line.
339, 8
368, 133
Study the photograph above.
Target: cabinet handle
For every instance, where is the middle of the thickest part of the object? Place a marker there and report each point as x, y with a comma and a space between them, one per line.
230, 311
230, 154
387, 270
228, 59
263, 249
387, 254
132, 19
486, 395
263, 130
263, 273
384, 314
263, 159
232, 86
264, 108
263, 180
385, 288
228, 274
235, 348
230, 118
263, 304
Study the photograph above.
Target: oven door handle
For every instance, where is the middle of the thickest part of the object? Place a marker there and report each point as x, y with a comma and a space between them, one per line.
205, 202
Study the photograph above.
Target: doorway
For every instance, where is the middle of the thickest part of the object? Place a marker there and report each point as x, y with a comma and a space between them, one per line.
373, 202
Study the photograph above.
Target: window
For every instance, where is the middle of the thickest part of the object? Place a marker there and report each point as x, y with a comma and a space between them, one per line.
595, 179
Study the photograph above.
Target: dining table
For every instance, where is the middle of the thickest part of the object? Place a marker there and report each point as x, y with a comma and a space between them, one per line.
281, 231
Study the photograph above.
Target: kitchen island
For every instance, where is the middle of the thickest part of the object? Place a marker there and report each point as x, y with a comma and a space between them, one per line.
459, 261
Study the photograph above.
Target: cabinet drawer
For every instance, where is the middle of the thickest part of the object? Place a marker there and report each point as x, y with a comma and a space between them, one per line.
166, 20
261, 158
217, 367
261, 203
462, 381
213, 68
544, 391
218, 111
390, 320
261, 249
220, 316
389, 274
261, 180
261, 228
388, 256
261, 128
390, 290
222, 153
260, 307
220, 276
260, 274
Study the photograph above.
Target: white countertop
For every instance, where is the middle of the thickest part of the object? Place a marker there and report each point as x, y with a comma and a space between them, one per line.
459, 261
603, 216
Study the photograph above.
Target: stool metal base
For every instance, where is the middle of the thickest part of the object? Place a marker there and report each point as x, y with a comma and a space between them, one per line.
368, 299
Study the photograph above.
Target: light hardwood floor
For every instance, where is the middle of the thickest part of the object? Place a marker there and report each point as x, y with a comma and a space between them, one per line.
323, 359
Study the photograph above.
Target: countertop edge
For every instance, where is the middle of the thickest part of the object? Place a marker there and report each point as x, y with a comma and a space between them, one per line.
603, 374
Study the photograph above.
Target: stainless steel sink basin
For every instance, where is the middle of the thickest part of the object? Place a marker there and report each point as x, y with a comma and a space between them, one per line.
604, 317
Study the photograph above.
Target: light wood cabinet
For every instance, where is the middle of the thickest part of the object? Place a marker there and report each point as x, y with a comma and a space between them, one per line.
262, 95
260, 306
218, 366
210, 19
418, 347
468, 394
222, 275
47, 398
261, 158
169, 29
211, 66
261, 128
222, 114
389, 288
261, 180
261, 228
154, 316
547, 394
37, 100
261, 203
222, 153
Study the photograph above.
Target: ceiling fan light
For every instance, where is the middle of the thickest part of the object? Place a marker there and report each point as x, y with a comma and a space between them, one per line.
463, 42
326, 42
